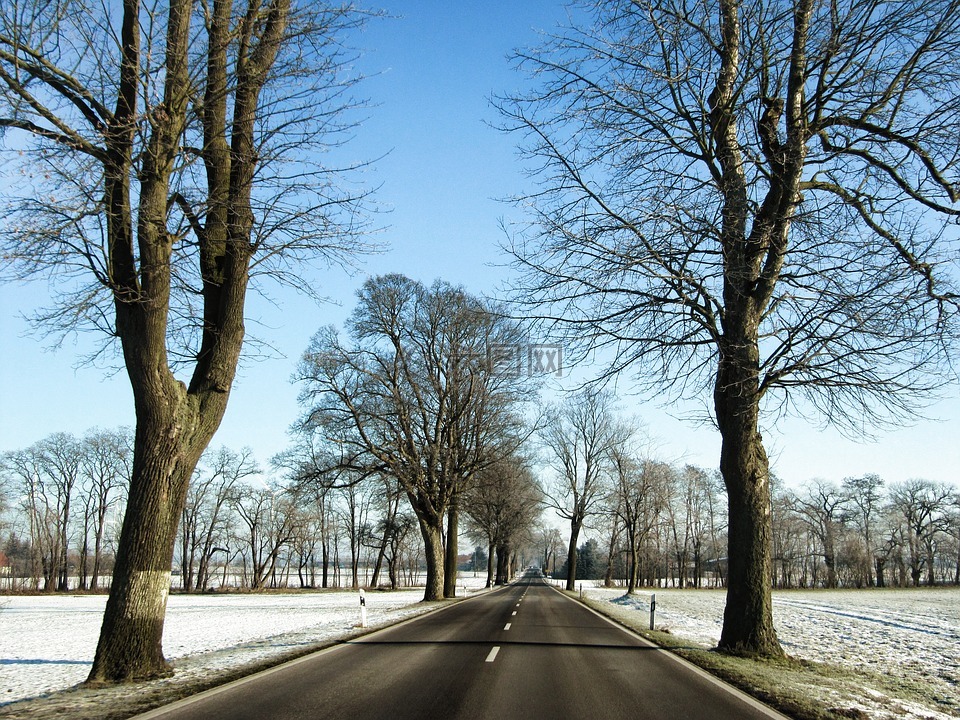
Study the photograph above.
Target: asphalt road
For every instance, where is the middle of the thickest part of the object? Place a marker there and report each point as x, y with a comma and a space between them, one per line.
519, 653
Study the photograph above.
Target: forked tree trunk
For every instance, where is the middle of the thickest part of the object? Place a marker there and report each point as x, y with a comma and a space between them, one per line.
175, 423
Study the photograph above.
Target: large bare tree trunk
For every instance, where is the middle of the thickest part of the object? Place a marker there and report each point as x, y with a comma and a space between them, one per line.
130, 639
175, 423
451, 550
433, 555
748, 616
572, 556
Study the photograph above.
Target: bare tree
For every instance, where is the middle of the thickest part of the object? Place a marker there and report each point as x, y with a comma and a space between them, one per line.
312, 469
822, 507
204, 520
270, 521
865, 496
700, 497
550, 541
22, 469
922, 505
578, 437
354, 511
105, 462
640, 493
954, 530
46, 475
748, 201
60, 455
414, 395
176, 146
383, 535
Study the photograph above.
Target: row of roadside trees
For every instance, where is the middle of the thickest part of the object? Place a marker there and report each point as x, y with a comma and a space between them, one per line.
63, 498
865, 533
660, 522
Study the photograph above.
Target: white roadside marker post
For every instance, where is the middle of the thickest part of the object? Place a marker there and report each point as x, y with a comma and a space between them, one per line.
653, 608
363, 608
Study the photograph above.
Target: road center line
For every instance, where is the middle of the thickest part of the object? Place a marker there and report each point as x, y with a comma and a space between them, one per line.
514, 612
493, 653
507, 626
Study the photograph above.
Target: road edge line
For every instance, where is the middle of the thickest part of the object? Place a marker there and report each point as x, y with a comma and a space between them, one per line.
696, 669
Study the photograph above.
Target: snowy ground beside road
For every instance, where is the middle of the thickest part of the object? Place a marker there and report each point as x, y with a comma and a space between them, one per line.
912, 633
47, 642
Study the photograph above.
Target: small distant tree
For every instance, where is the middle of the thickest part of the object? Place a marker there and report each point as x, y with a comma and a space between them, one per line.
640, 493
577, 437
550, 541
922, 505
268, 524
382, 536
204, 524
105, 466
312, 470
866, 497
46, 475
502, 504
822, 508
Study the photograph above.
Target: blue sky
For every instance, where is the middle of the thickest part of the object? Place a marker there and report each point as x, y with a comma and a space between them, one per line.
434, 68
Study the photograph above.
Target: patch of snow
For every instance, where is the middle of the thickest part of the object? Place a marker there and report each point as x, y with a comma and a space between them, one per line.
47, 642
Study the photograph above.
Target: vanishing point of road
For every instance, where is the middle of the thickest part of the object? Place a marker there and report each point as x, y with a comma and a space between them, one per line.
522, 652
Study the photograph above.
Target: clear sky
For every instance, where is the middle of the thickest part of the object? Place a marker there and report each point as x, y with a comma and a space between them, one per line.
434, 67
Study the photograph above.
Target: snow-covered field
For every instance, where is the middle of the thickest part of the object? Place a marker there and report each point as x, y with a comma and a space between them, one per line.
910, 633
47, 642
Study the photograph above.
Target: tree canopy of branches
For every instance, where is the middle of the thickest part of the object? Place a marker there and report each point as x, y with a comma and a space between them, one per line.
175, 148
750, 201
416, 392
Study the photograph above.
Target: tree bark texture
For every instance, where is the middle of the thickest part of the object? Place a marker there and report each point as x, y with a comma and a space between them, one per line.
572, 556
432, 534
748, 616
451, 549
